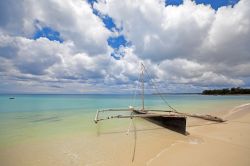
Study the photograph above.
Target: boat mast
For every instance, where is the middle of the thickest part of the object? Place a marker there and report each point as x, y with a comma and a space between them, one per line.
142, 82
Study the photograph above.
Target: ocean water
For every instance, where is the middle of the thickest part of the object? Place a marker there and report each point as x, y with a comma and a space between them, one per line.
40, 117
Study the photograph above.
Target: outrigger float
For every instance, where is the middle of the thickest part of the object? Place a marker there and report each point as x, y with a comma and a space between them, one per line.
171, 119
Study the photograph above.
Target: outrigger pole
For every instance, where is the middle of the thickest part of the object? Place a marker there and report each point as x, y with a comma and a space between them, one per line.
151, 115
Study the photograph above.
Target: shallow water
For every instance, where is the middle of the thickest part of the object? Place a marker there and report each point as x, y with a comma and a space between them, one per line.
30, 117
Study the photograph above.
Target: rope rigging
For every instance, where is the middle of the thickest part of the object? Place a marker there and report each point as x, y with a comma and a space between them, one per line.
143, 73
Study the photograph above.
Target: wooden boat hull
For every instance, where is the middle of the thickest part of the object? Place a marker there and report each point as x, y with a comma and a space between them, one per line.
175, 123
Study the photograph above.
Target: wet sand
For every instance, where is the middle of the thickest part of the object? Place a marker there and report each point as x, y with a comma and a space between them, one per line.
207, 143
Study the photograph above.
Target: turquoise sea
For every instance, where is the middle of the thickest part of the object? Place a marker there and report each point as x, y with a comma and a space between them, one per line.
32, 117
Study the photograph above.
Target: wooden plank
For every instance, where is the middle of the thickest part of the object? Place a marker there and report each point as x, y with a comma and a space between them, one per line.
136, 116
115, 110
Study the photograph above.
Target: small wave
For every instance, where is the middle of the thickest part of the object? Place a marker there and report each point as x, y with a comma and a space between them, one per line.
236, 109
193, 141
163, 151
242, 105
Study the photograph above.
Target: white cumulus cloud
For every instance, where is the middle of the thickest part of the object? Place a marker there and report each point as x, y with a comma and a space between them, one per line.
189, 46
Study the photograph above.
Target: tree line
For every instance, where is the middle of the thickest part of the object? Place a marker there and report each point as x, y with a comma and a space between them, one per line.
226, 91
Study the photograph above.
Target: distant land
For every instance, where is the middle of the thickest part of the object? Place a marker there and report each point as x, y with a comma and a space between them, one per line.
176, 93
226, 91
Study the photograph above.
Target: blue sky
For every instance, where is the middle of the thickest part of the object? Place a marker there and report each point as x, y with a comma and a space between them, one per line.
215, 4
48, 33
96, 46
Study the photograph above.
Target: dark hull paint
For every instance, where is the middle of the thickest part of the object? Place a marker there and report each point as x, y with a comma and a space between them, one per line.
177, 124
